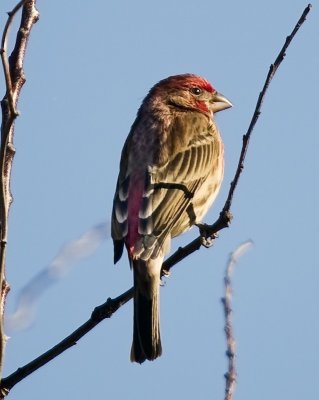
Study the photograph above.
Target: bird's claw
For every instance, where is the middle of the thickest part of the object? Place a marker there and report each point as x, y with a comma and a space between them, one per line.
166, 273
207, 238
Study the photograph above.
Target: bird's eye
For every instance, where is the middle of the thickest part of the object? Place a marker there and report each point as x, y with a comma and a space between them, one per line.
196, 91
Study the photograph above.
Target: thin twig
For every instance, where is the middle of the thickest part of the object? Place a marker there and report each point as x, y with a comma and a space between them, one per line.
246, 138
231, 374
4, 57
107, 309
13, 71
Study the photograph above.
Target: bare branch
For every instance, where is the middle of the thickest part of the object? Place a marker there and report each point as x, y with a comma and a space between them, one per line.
4, 58
231, 373
14, 77
99, 314
246, 138
107, 309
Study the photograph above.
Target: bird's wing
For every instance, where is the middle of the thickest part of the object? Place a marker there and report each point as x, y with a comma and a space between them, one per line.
119, 225
171, 187
184, 163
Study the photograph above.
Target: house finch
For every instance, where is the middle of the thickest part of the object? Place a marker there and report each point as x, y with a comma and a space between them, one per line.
171, 170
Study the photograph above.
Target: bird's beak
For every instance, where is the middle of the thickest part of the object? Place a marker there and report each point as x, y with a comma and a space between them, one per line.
219, 102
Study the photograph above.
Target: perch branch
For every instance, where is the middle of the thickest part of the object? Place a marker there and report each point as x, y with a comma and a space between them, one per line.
231, 373
14, 78
99, 314
107, 309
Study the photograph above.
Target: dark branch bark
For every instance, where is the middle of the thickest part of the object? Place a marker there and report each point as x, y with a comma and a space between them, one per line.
107, 309
99, 314
14, 78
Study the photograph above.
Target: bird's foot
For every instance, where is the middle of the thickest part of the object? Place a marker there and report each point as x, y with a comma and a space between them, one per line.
165, 273
207, 236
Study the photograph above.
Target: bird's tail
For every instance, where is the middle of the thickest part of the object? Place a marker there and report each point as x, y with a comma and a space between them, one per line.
146, 333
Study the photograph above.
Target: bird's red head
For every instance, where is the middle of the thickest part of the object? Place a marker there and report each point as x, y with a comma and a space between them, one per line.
187, 92
185, 81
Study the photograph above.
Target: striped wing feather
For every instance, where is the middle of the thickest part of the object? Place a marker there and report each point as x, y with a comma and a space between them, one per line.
168, 210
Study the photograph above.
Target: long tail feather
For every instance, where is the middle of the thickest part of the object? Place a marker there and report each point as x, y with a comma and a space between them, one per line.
146, 333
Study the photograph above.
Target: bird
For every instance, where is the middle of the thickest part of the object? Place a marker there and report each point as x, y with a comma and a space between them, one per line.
171, 170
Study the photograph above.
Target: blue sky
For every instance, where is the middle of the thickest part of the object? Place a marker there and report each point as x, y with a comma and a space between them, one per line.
88, 68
